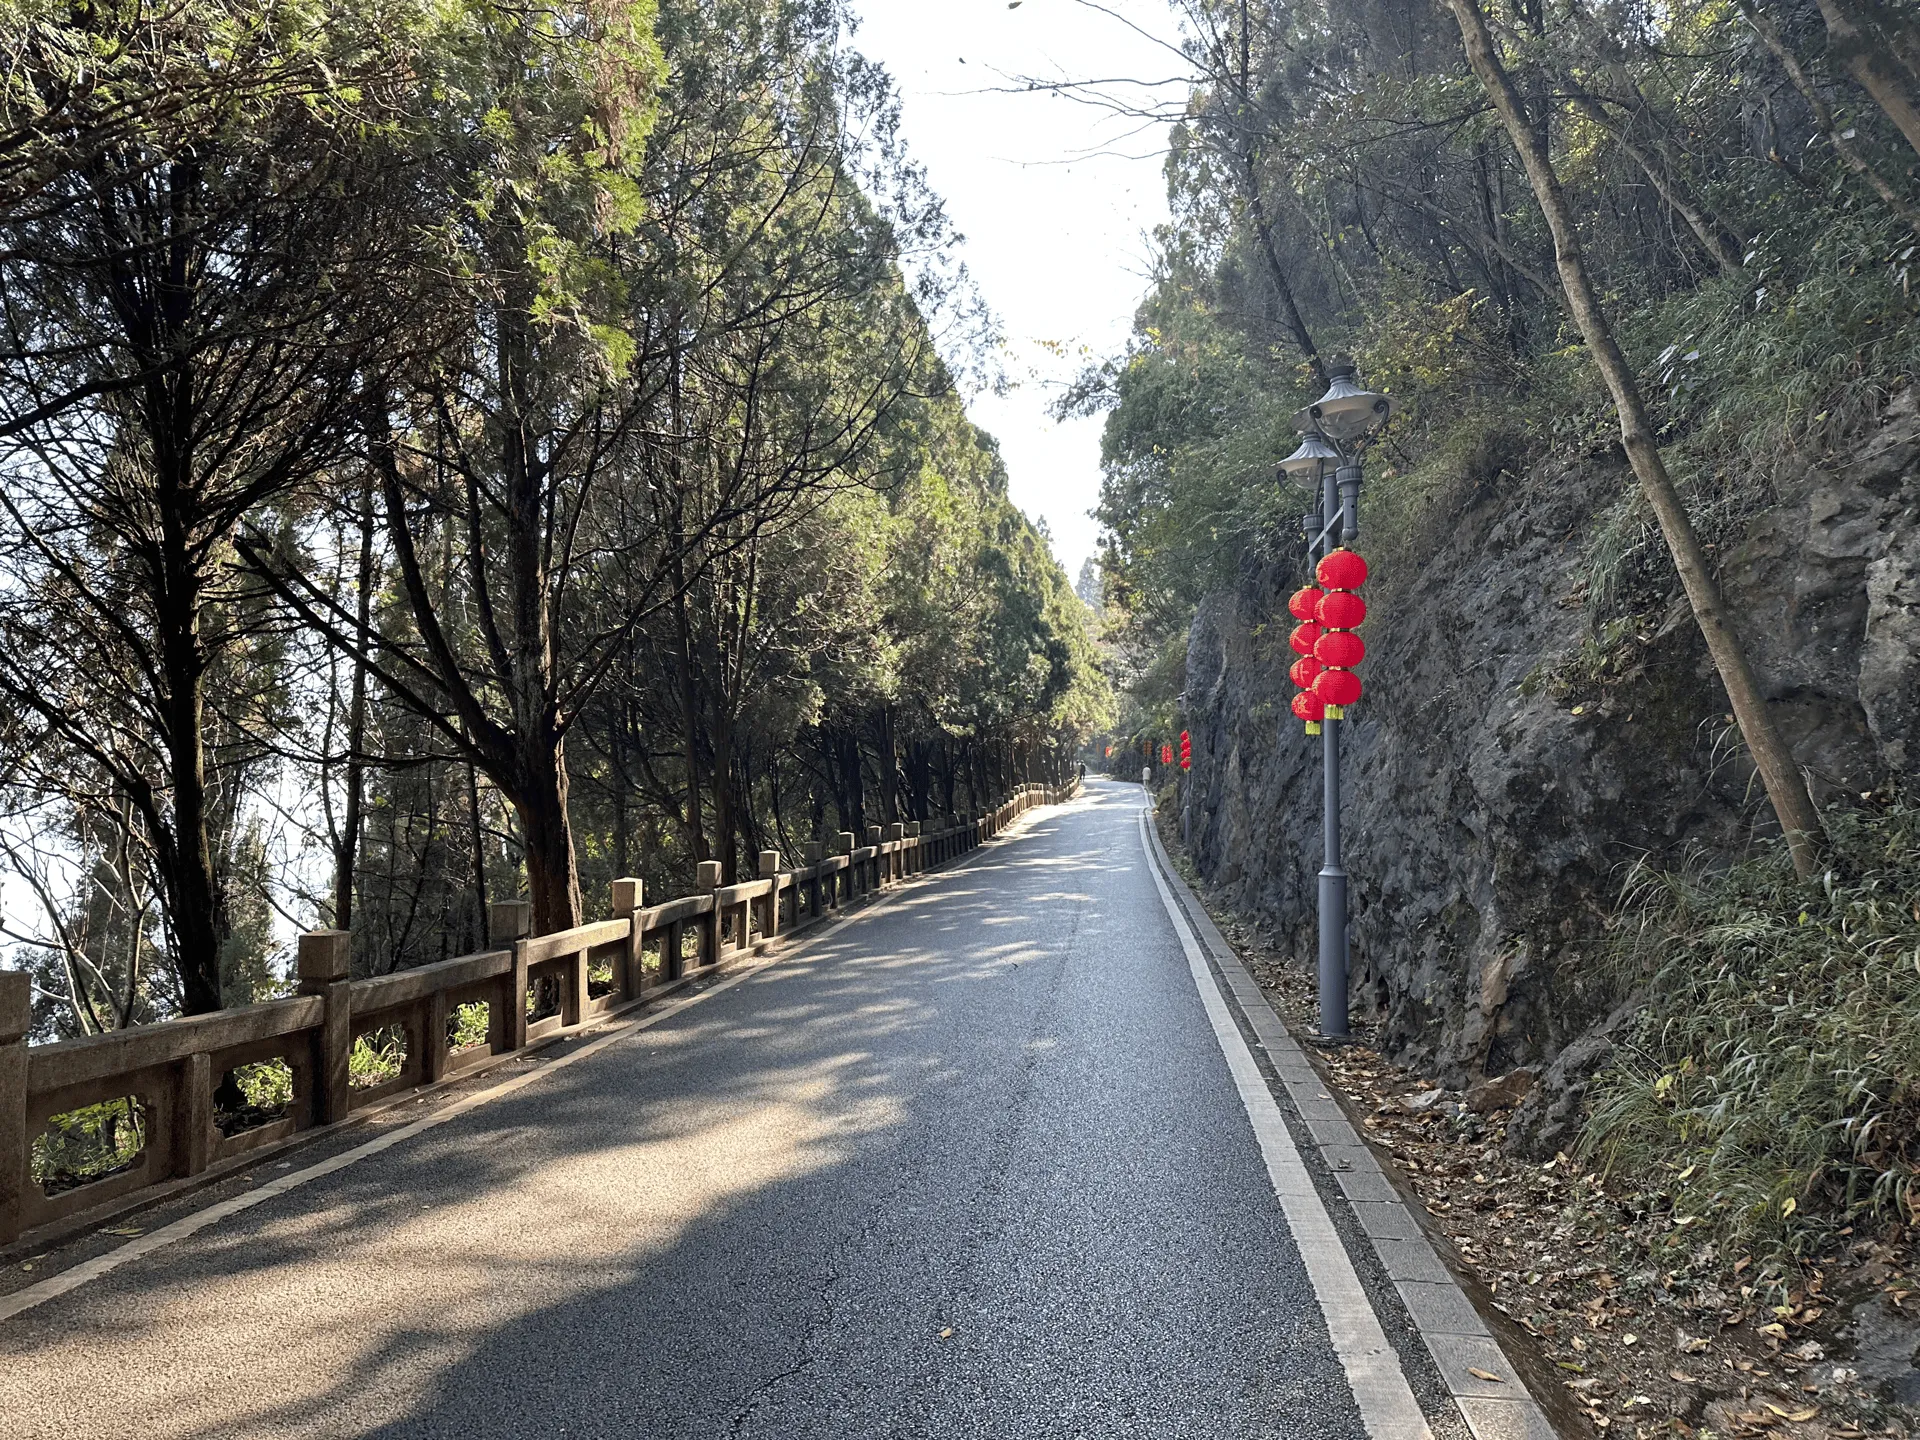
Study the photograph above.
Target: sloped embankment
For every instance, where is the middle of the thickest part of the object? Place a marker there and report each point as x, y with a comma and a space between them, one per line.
1541, 713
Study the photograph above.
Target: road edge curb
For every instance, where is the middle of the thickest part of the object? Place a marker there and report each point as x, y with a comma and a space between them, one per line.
1452, 1329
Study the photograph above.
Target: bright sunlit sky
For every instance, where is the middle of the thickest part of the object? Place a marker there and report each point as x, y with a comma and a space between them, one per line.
1055, 213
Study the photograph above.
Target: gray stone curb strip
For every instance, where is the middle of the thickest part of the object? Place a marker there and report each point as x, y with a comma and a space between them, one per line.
1454, 1333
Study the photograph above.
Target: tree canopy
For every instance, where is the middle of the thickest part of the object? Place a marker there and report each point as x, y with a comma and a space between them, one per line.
1736, 176
459, 450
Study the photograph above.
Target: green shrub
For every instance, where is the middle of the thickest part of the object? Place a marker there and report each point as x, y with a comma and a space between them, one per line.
268, 1085
377, 1057
88, 1144
1771, 1086
467, 1026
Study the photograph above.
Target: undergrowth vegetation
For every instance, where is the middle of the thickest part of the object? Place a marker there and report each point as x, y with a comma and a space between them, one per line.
1771, 1084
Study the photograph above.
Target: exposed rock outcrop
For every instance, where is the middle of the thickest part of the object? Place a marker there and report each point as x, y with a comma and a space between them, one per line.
1508, 762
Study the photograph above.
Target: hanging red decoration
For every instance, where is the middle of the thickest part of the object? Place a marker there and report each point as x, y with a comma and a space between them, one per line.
1301, 606
1342, 570
1166, 753
1186, 751
1303, 638
1309, 707
1341, 610
1337, 687
1303, 671
1340, 648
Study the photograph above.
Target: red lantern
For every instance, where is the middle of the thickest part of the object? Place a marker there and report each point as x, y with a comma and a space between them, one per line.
1303, 671
1337, 687
1186, 751
1303, 638
1309, 707
1341, 610
1166, 753
1340, 648
1302, 603
1342, 570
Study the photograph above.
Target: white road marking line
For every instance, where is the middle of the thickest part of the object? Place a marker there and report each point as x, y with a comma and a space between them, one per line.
87, 1270
1379, 1386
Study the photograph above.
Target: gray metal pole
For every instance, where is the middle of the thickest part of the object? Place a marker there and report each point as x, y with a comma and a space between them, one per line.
1333, 876
1333, 896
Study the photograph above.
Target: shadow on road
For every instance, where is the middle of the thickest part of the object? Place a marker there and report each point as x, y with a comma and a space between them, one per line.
969, 1166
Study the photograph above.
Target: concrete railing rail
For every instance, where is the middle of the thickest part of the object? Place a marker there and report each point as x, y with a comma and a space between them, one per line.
174, 1068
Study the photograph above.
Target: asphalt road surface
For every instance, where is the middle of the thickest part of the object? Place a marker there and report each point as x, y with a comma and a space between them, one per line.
969, 1165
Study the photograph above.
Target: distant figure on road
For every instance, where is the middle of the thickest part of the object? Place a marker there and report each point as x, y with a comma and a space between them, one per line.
1146, 774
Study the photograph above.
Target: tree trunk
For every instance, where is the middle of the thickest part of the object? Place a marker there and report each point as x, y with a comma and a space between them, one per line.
726, 837
852, 787
1823, 114
347, 847
1860, 53
481, 938
1706, 229
1283, 288
553, 877
621, 785
1247, 153
886, 765
197, 913
1786, 787
690, 723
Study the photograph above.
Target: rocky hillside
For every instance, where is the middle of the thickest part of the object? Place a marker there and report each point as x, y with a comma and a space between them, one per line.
1521, 744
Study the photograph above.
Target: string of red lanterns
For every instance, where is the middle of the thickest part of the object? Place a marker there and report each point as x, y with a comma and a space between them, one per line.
1330, 612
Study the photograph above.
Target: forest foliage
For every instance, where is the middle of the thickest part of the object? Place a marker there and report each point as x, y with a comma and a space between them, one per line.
1340, 183
455, 449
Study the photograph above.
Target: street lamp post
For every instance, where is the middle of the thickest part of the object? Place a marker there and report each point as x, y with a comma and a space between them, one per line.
1333, 431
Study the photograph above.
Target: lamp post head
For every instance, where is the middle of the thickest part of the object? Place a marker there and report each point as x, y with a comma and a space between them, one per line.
1348, 411
1310, 461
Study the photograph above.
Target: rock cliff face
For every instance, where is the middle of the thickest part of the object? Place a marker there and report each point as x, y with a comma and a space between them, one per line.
1509, 762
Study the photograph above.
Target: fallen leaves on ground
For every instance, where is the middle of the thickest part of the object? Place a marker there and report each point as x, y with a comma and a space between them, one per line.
1603, 1276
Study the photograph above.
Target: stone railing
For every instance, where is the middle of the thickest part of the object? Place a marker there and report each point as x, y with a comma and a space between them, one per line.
534, 987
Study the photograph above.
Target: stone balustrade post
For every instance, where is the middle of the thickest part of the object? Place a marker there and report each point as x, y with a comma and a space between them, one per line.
843, 883
895, 866
193, 1116
16, 1146
433, 1038
707, 880
672, 942
914, 859
510, 923
816, 852
768, 868
628, 900
323, 961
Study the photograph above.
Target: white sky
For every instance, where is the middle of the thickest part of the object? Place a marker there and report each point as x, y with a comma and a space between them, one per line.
1056, 235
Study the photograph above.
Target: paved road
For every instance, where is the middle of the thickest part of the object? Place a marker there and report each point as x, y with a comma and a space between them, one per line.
969, 1165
